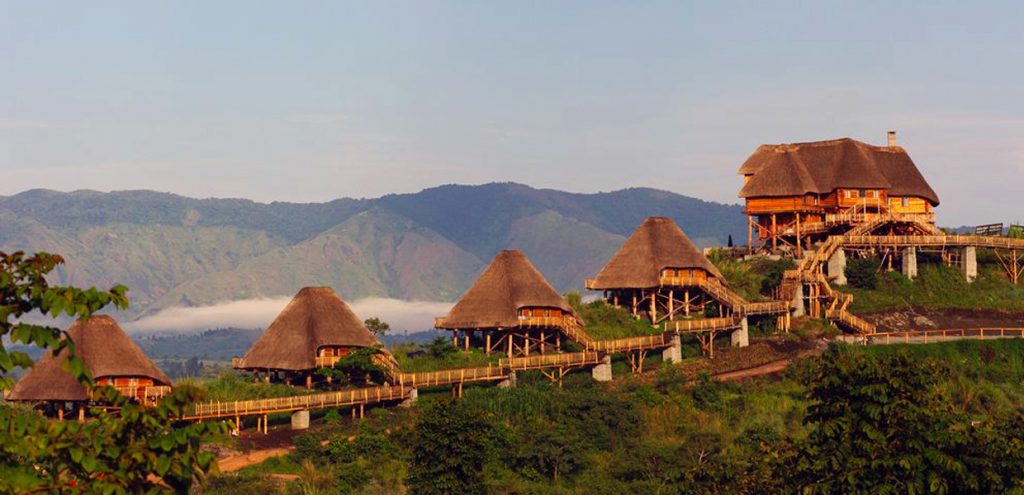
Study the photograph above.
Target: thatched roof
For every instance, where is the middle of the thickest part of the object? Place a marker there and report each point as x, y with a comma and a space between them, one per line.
510, 282
824, 166
314, 318
658, 243
105, 350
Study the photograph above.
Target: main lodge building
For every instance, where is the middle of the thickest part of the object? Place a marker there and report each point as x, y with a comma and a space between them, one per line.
800, 193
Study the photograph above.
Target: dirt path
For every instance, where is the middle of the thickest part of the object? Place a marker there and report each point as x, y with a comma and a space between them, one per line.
239, 461
762, 370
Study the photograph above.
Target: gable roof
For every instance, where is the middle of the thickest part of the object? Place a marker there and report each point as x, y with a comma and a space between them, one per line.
314, 318
823, 166
105, 350
509, 283
658, 243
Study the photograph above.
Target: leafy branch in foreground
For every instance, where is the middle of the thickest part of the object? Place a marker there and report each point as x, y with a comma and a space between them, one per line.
124, 447
23, 290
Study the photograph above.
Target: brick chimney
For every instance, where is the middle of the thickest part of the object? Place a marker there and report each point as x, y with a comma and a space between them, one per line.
892, 138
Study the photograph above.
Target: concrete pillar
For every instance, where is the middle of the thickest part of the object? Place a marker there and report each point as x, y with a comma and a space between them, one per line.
798, 300
509, 382
837, 267
910, 262
741, 336
414, 394
674, 353
969, 262
603, 371
300, 419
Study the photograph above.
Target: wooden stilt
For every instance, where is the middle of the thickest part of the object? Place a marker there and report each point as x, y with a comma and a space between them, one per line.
309, 382
467, 341
798, 251
60, 413
654, 307
508, 339
542, 344
671, 304
686, 301
488, 345
775, 235
750, 235
361, 410
81, 413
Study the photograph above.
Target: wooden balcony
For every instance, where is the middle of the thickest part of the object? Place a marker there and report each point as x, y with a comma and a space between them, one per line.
326, 361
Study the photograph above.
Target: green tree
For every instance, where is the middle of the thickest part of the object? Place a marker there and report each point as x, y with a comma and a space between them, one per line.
357, 367
127, 452
882, 427
862, 273
450, 447
377, 326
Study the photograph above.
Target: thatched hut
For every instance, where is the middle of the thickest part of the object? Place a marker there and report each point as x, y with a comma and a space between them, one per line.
658, 271
791, 190
109, 356
512, 308
314, 330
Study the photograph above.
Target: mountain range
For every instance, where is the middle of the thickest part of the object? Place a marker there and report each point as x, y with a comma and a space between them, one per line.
172, 250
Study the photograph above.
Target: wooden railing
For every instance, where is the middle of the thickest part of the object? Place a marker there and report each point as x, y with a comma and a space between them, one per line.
702, 325
923, 336
209, 410
447, 377
932, 241
550, 361
149, 393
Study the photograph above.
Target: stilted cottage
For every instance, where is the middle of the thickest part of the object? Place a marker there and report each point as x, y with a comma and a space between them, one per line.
315, 330
109, 356
797, 194
512, 309
658, 273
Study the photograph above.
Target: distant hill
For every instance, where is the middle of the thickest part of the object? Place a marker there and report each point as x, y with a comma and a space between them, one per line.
177, 251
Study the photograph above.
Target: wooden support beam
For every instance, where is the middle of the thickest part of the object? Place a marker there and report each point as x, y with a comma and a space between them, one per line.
488, 343
775, 234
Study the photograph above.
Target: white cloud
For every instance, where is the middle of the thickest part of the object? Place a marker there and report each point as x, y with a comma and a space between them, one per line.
258, 313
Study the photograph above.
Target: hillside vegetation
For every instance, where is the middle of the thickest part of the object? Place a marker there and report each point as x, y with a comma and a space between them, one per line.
662, 434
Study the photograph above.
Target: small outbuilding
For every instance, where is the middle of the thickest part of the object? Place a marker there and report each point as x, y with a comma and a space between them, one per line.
511, 308
314, 330
111, 358
658, 272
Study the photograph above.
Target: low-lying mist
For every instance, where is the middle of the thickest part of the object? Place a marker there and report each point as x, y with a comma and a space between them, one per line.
409, 316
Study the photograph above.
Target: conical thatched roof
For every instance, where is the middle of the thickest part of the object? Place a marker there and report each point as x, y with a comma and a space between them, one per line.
823, 166
314, 318
105, 350
658, 243
510, 282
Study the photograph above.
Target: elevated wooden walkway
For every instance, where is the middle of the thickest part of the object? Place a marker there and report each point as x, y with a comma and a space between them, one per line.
726, 296
810, 268
932, 336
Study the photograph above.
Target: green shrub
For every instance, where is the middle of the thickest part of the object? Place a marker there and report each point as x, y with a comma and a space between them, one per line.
862, 273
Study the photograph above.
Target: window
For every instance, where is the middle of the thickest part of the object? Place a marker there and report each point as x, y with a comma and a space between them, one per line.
863, 193
815, 200
905, 202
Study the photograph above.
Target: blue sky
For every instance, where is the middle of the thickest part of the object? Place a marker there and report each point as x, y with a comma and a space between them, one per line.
309, 101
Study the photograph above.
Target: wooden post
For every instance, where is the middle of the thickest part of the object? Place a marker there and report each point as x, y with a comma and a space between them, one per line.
238, 424
526, 342
60, 413
750, 235
671, 304
81, 414
467, 341
686, 301
798, 251
558, 343
542, 341
361, 406
654, 306
488, 343
775, 235
309, 381
508, 339
634, 303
